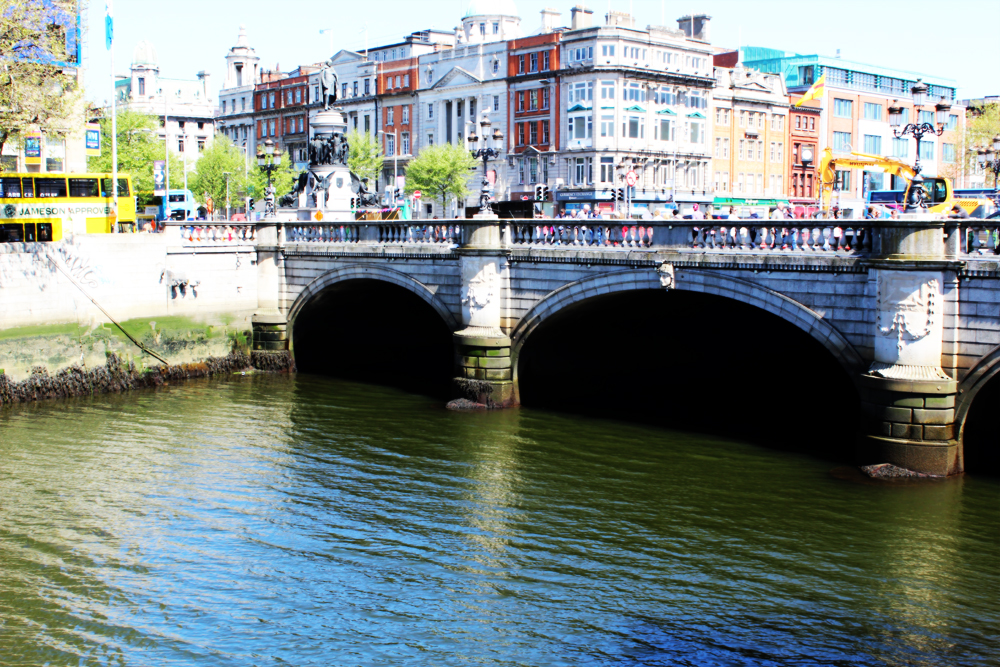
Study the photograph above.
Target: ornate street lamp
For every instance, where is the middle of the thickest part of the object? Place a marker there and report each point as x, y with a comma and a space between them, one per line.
485, 153
915, 200
268, 150
989, 159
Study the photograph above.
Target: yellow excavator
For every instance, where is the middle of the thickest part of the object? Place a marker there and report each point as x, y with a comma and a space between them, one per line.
939, 195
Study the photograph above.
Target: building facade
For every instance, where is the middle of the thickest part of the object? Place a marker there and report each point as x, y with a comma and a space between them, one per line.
236, 99
750, 153
803, 137
186, 107
634, 99
854, 116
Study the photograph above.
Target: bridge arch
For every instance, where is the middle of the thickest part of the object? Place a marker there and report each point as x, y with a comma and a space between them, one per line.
369, 272
704, 282
975, 409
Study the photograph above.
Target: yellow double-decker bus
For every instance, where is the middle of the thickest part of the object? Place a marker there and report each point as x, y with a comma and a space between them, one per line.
46, 207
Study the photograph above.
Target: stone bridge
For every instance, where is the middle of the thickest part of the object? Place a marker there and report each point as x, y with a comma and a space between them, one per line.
908, 309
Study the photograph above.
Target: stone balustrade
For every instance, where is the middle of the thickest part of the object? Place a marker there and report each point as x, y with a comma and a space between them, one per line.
211, 233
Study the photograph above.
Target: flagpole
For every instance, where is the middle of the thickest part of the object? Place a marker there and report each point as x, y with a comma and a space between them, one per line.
109, 33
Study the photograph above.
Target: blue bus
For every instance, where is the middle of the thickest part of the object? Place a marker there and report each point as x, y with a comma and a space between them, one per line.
182, 206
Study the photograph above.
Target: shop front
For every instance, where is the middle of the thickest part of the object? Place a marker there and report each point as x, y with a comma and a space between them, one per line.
747, 207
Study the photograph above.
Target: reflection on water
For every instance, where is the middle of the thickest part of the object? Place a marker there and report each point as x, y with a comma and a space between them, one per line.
305, 521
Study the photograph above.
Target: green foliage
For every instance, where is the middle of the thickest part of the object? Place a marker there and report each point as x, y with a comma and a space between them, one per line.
979, 133
284, 178
33, 97
365, 157
138, 146
442, 171
220, 157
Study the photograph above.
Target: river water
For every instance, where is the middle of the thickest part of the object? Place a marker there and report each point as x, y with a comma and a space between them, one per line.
309, 521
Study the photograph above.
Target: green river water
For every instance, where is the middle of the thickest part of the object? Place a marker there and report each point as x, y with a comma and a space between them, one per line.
308, 521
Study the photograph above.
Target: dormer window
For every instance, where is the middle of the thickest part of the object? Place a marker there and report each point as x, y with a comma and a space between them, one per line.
496, 27
142, 86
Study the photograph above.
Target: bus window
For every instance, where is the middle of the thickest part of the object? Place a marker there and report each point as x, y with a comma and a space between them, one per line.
10, 188
11, 233
29, 233
176, 199
29, 187
45, 231
83, 187
50, 187
122, 187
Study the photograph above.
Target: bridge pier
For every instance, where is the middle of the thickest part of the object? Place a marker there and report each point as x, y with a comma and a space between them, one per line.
907, 398
270, 325
485, 372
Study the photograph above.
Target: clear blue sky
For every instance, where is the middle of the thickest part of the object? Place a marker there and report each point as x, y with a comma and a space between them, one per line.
957, 39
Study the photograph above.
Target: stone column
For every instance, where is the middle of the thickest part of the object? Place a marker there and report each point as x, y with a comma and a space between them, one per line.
908, 399
270, 326
485, 374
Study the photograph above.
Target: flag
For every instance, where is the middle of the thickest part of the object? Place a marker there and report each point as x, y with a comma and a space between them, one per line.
109, 23
814, 92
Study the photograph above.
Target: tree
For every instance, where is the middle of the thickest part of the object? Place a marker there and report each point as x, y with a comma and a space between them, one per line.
35, 94
138, 146
220, 157
365, 157
284, 178
442, 171
979, 133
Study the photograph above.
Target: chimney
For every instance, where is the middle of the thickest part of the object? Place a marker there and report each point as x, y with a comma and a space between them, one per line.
581, 18
695, 27
550, 20
623, 19
205, 79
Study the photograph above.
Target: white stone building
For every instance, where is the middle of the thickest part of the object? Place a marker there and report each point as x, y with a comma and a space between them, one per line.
634, 99
236, 108
187, 104
458, 85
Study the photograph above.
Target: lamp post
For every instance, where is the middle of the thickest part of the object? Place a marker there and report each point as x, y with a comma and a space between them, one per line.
268, 150
485, 153
989, 158
227, 174
915, 199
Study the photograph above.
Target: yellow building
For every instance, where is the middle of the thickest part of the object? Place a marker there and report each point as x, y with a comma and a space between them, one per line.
750, 148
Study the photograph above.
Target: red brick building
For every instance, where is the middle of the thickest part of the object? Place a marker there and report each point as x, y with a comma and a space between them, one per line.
533, 132
281, 112
398, 82
804, 139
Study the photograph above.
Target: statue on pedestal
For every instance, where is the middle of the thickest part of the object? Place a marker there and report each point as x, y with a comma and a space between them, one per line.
328, 85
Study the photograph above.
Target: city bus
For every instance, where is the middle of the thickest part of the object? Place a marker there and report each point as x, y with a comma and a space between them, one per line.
46, 207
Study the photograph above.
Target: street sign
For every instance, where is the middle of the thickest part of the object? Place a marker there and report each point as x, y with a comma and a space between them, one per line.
631, 178
416, 194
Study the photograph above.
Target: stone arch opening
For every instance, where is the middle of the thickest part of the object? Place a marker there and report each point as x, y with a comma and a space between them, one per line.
371, 330
692, 361
980, 439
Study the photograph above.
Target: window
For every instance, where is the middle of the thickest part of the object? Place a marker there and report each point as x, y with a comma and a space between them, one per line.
430, 110
496, 103
272, 100
142, 86
607, 170
472, 110
545, 132
533, 62
580, 127
665, 130
812, 123
760, 120
368, 124
781, 153
948, 153
774, 151
458, 108
546, 65
389, 116
843, 108
608, 50
243, 104
520, 100
634, 92
289, 96
47, 187
399, 81
607, 90
581, 92
201, 145
743, 119
697, 134
634, 127
180, 145
223, 106
952, 122
580, 172
798, 122
520, 64
406, 80
302, 124
520, 170
367, 90
390, 145
78, 187
405, 120
927, 117
355, 89
842, 142
739, 183
430, 139
725, 149
742, 147
404, 139
873, 111
718, 152
482, 29
873, 144
343, 91
520, 134
926, 150
533, 133
496, 27
843, 181
545, 98
760, 184
607, 125
760, 151
533, 100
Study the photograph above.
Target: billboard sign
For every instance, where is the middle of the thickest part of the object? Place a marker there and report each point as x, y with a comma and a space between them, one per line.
33, 148
159, 178
93, 140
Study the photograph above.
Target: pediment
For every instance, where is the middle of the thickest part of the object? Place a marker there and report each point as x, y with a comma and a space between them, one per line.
457, 77
346, 56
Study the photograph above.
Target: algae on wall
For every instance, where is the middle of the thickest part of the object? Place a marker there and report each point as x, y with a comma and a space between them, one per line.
179, 340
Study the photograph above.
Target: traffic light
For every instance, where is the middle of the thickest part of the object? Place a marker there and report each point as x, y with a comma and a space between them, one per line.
617, 194
250, 203
541, 192
354, 203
